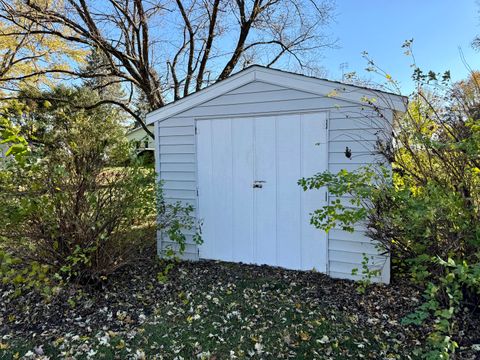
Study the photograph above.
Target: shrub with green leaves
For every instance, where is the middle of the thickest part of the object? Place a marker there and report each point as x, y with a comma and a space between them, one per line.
426, 211
11, 142
81, 204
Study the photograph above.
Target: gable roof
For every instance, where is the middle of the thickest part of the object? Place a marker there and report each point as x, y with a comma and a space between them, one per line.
322, 87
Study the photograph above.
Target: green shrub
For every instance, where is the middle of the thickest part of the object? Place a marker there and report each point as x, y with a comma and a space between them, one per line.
442, 301
81, 204
426, 211
10, 139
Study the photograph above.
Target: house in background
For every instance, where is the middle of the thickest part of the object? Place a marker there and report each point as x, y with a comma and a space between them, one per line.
236, 150
143, 143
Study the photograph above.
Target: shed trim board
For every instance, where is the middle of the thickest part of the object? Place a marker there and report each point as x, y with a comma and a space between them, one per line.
348, 123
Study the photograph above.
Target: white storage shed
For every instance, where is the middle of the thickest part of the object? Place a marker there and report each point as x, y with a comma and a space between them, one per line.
236, 149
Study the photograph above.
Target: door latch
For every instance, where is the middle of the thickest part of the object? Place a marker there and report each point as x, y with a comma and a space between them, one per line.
258, 184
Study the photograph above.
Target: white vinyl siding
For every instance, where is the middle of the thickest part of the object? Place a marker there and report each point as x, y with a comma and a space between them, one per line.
358, 130
349, 125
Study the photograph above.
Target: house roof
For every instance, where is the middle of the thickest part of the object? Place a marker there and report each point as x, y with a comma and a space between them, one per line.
134, 130
318, 86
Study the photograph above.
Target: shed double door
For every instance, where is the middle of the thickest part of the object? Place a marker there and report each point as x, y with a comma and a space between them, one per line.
249, 200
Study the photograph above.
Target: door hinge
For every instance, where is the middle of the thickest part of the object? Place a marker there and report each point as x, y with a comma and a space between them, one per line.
326, 123
196, 130
197, 191
326, 197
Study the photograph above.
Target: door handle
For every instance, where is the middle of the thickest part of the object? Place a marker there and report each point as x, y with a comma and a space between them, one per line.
258, 184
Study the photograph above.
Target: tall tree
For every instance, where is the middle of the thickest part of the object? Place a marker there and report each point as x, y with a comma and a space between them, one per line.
28, 59
31, 57
165, 50
107, 87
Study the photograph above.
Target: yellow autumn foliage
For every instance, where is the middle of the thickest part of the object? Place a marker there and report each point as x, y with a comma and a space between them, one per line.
31, 58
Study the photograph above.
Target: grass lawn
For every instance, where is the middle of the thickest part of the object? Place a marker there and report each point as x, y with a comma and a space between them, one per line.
212, 310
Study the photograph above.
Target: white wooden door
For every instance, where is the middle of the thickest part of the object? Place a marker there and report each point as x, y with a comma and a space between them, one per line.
252, 208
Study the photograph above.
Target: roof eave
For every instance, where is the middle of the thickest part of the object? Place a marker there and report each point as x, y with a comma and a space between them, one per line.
239, 79
335, 90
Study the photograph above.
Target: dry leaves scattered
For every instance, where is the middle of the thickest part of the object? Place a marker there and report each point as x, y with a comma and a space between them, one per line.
213, 310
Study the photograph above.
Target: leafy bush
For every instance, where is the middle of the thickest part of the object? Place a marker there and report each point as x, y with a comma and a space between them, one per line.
457, 278
14, 144
174, 219
81, 204
426, 212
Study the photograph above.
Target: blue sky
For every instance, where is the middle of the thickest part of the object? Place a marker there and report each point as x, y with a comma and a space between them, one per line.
438, 27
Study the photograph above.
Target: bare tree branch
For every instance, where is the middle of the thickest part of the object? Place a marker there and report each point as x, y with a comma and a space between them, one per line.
164, 51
